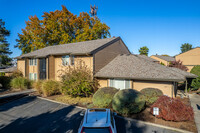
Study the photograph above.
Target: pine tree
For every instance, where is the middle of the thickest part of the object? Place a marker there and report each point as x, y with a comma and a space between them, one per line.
4, 45
144, 50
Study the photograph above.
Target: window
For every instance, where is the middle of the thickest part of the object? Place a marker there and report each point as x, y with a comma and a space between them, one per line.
67, 60
119, 83
33, 76
33, 62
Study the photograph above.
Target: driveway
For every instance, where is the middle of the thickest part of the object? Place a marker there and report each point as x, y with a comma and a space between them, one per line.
195, 103
33, 115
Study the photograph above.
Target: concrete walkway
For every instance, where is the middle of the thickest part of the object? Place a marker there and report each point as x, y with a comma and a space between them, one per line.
195, 103
17, 93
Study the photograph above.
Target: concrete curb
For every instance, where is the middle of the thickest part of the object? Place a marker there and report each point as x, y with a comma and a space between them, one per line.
60, 102
16, 93
128, 119
157, 125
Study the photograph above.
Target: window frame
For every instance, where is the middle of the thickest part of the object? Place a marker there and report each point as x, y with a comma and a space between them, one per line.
33, 76
70, 60
32, 62
124, 83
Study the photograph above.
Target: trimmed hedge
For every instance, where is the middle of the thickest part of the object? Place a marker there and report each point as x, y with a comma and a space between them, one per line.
150, 95
173, 109
103, 96
128, 101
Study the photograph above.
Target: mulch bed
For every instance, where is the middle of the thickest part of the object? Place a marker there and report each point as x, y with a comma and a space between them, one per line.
146, 116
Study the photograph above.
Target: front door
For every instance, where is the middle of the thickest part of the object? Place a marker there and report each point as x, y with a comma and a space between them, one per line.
43, 68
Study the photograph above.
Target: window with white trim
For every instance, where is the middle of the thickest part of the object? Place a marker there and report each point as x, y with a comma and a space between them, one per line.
67, 60
33, 76
33, 62
120, 83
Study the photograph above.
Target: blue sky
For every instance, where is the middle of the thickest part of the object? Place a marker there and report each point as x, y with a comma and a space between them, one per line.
161, 25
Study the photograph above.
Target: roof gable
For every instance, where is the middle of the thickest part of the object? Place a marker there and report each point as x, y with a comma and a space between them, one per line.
166, 58
189, 51
146, 58
132, 67
79, 48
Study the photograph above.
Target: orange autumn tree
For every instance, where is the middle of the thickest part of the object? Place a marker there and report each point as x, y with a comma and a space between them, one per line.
60, 27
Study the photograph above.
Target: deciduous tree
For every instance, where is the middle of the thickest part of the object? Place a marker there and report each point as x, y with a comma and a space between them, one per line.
60, 27
178, 64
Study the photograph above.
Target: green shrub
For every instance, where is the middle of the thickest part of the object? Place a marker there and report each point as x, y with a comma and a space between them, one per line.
128, 101
78, 81
38, 86
17, 73
162, 63
50, 87
150, 95
5, 82
2, 73
196, 70
103, 96
20, 83
195, 85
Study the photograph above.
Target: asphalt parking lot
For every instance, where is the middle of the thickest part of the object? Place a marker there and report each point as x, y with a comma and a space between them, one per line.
33, 115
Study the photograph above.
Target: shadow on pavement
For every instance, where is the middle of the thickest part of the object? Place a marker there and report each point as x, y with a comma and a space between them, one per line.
57, 121
124, 126
9, 105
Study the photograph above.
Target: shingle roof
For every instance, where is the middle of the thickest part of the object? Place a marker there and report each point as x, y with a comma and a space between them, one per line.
184, 73
8, 70
85, 47
146, 57
166, 58
132, 67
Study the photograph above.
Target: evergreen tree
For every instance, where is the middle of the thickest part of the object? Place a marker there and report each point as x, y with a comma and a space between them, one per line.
4, 45
186, 47
144, 50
